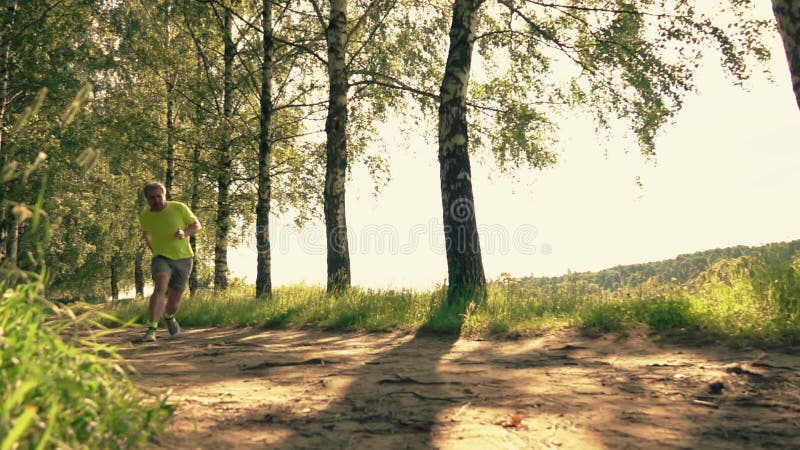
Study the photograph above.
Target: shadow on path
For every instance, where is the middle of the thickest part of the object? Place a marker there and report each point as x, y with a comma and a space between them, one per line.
309, 389
383, 408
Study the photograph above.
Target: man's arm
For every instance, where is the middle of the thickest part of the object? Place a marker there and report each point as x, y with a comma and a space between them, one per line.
193, 229
146, 237
190, 230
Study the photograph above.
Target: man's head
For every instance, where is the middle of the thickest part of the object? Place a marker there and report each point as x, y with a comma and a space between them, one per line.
155, 193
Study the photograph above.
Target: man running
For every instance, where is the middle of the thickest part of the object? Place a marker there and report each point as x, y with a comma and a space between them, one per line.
165, 227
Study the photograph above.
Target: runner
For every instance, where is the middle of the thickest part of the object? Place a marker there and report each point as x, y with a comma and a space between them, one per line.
165, 227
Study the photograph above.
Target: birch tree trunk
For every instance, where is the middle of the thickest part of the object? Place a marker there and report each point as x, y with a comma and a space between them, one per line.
138, 262
9, 13
138, 273
170, 175
195, 196
263, 268
336, 150
787, 13
10, 228
170, 88
225, 162
115, 263
466, 279
194, 204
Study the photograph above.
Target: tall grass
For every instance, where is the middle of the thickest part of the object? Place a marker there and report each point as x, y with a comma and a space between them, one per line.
744, 300
59, 393
751, 298
298, 306
372, 310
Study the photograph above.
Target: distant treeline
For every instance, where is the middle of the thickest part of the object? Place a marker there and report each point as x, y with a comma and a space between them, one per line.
680, 270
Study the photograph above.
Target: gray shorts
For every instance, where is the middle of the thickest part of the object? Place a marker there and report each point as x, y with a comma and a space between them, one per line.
179, 270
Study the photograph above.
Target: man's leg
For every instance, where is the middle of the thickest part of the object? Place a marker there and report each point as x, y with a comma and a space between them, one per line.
177, 285
161, 275
157, 300
173, 301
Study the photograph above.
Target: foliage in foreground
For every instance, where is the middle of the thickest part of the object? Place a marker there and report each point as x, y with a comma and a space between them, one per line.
59, 386
744, 300
64, 394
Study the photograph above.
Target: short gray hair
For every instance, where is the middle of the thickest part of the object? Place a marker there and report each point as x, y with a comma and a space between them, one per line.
151, 186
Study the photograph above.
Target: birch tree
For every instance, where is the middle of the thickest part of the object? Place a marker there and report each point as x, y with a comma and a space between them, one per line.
629, 63
264, 255
787, 13
362, 70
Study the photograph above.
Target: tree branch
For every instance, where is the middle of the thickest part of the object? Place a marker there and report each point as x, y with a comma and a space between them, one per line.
320, 16
372, 33
389, 82
596, 9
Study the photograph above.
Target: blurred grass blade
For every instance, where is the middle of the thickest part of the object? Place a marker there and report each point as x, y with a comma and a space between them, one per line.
48, 430
31, 110
38, 209
21, 424
75, 106
88, 158
7, 174
17, 397
36, 163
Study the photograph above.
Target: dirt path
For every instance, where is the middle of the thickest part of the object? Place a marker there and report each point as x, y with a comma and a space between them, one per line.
249, 388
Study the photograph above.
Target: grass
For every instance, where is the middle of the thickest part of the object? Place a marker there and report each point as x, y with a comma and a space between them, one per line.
743, 301
298, 306
60, 387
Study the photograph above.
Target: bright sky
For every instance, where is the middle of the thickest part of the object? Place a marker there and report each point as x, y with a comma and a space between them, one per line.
726, 174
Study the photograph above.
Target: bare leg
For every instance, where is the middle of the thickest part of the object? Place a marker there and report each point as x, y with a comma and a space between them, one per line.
157, 300
173, 301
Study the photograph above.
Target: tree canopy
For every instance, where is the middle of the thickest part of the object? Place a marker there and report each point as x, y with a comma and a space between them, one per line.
174, 90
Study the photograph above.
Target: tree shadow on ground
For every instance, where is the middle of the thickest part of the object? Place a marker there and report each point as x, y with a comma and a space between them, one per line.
382, 408
621, 392
421, 390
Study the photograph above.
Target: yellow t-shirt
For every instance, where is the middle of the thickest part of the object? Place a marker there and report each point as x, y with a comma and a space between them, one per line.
162, 226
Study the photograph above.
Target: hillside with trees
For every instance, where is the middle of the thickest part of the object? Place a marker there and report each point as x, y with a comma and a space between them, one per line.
681, 270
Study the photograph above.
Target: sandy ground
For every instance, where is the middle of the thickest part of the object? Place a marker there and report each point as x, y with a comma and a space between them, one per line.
245, 388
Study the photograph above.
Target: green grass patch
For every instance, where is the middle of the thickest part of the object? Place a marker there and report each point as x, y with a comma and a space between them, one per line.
295, 307
60, 387
746, 300
656, 315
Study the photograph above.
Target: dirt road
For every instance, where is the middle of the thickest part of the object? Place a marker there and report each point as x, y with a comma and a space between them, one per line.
245, 388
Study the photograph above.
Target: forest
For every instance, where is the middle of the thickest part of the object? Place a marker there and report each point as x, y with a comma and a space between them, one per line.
247, 110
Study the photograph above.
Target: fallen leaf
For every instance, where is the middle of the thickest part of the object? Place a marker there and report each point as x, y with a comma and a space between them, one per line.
514, 421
